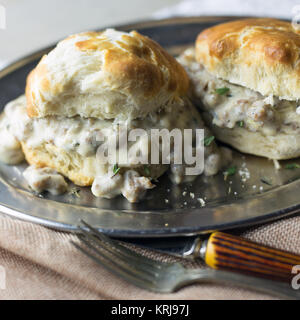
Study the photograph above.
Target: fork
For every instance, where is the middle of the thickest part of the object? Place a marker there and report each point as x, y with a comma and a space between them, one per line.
163, 277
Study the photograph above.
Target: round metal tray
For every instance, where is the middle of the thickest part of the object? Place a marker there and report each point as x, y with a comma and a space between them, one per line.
232, 203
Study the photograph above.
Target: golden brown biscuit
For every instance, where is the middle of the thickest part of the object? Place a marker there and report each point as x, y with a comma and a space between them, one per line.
261, 54
86, 89
78, 169
107, 75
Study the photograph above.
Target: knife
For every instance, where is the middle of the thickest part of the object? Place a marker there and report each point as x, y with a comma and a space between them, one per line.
223, 251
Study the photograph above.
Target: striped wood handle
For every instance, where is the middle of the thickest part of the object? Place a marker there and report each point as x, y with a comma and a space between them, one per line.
232, 253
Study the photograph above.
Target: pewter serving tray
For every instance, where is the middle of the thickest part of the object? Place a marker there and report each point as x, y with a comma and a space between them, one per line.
168, 210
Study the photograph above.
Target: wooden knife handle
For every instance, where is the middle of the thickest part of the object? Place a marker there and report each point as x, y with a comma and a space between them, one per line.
232, 253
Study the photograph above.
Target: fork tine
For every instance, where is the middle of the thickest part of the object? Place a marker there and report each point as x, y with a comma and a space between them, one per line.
113, 268
125, 267
118, 252
122, 249
125, 264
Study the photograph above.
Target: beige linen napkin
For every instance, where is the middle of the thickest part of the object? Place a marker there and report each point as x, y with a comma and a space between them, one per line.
41, 263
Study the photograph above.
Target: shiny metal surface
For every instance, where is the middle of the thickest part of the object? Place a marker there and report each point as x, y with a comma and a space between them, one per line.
238, 201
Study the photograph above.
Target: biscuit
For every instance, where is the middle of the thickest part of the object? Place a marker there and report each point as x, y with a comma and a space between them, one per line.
260, 54
105, 75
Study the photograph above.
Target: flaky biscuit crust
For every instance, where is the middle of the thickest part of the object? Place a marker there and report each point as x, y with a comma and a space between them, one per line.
73, 165
261, 54
105, 75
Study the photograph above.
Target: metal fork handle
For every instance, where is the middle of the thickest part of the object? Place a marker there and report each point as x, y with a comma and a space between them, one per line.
279, 289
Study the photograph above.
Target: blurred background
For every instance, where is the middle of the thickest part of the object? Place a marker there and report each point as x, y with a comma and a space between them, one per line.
34, 24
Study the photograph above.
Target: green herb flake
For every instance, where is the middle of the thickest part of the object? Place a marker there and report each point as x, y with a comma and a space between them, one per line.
266, 181
229, 172
208, 140
75, 192
292, 166
147, 170
222, 91
116, 169
241, 123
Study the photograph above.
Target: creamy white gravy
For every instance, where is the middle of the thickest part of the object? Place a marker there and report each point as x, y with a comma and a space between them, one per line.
45, 179
84, 136
238, 105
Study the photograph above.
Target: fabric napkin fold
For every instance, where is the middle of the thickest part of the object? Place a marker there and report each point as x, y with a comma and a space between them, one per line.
41, 263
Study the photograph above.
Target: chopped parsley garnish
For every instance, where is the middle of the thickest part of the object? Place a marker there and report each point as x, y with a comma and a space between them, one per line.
147, 170
222, 91
229, 172
292, 166
75, 192
208, 140
241, 123
265, 181
116, 169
